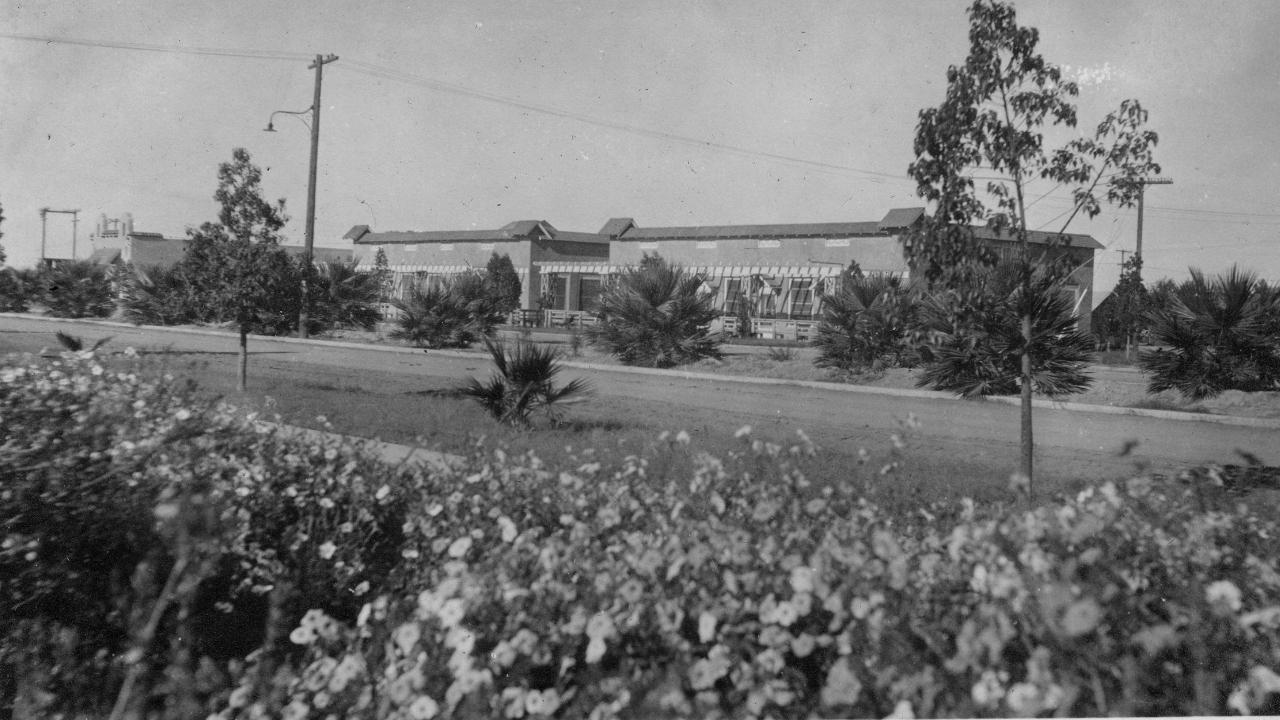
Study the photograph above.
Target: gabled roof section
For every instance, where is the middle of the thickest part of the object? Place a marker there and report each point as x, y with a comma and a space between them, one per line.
901, 218
1040, 237
518, 230
727, 232
356, 232
104, 256
617, 226
527, 228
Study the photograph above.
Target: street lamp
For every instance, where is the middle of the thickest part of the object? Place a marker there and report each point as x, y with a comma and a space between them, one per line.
309, 240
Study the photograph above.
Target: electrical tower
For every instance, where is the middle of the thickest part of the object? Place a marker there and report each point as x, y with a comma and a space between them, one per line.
75, 221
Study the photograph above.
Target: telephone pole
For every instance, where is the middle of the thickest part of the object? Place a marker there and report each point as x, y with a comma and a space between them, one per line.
1142, 191
309, 240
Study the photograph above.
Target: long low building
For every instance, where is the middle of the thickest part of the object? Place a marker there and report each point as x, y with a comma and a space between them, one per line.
779, 272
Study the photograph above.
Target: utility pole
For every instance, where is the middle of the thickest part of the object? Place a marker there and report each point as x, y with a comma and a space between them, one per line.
1142, 191
309, 240
75, 221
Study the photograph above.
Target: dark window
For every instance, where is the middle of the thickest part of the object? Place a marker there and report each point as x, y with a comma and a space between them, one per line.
802, 298
589, 294
732, 295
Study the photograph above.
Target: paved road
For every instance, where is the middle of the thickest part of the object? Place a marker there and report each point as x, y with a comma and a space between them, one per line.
965, 437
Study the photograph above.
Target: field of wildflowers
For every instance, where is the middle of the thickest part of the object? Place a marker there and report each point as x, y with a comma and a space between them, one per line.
162, 556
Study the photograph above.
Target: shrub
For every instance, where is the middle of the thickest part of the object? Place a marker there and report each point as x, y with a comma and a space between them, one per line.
668, 583
865, 325
157, 295
452, 314
503, 283
523, 382
77, 288
16, 290
972, 337
143, 528
1216, 335
343, 297
655, 316
619, 593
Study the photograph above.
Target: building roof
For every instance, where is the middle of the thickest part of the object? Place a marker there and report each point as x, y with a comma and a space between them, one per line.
617, 226
518, 230
1039, 237
899, 218
896, 219
104, 256
710, 232
356, 232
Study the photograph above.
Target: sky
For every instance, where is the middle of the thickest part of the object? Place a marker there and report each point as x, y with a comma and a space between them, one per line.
470, 115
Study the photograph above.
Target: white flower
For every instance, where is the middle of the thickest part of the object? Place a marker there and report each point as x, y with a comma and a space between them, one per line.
327, 550
682, 437
182, 414
1223, 595
509, 531
706, 627
901, 711
595, 650
452, 612
802, 579
988, 690
459, 547
1024, 700
742, 432
503, 654
406, 637
382, 493
302, 635
423, 708
361, 589
600, 626
785, 614
542, 702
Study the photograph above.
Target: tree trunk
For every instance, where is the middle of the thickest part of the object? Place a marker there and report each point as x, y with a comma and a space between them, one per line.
244, 357
1028, 441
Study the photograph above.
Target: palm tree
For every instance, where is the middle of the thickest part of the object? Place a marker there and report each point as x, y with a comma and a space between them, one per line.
451, 314
522, 383
156, 295
864, 324
974, 337
1216, 335
78, 288
655, 316
341, 296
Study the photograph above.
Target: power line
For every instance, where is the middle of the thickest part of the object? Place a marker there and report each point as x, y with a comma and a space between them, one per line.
441, 86
149, 47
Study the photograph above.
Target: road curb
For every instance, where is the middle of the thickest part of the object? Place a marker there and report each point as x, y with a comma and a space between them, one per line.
1173, 415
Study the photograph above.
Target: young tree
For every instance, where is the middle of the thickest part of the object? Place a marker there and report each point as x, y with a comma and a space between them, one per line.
503, 283
235, 266
382, 271
242, 284
2, 255
244, 213
998, 105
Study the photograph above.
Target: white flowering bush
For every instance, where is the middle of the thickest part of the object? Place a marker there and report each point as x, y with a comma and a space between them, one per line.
744, 590
133, 511
668, 583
